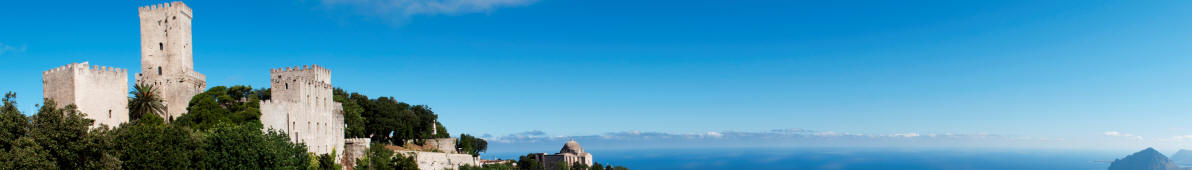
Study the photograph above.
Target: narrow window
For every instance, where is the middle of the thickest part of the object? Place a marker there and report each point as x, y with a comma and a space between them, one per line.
159, 70
287, 85
109, 113
161, 46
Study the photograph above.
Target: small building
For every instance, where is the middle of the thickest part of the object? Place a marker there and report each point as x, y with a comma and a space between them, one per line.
302, 106
101, 92
571, 154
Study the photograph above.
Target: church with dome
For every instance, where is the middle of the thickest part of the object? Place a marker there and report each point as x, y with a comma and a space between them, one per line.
571, 154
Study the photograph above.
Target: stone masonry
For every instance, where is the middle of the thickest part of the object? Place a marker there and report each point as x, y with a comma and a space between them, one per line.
439, 160
354, 148
302, 107
167, 59
99, 91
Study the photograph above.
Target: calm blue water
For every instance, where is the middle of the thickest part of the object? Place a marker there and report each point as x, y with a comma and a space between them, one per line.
861, 159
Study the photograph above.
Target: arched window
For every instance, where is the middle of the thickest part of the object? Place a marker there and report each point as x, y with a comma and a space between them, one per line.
161, 46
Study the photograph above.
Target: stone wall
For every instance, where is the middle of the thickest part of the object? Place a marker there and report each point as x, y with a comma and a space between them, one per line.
436, 160
167, 59
445, 145
100, 92
354, 148
302, 107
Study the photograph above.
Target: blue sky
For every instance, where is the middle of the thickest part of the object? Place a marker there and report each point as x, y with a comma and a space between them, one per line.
1115, 72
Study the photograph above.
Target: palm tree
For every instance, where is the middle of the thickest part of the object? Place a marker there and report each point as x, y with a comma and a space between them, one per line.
144, 101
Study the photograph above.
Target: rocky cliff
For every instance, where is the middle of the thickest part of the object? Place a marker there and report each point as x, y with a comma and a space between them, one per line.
1147, 159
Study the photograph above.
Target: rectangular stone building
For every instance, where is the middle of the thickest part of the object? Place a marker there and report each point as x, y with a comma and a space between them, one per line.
302, 107
99, 91
167, 59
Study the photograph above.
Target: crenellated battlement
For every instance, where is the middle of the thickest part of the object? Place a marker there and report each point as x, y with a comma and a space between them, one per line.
363, 141
86, 67
311, 74
303, 68
99, 91
176, 5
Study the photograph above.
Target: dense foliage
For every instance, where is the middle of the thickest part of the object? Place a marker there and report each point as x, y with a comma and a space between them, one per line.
221, 130
379, 157
387, 120
471, 145
508, 166
145, 102
229, 137
238, 105
527, 162
150, 143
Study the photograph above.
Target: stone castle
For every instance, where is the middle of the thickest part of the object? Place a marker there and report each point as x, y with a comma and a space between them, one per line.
301, 105
99, 91
303, 108
167, 59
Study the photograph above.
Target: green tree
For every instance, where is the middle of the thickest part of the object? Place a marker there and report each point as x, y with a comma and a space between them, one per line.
144, 101
230, 146
235, 105
65, 134
579, 166
149, 143
17, 149
387, 120
13, 124
379, 157
327, 162
403, 162
352, 118
505, 166
528, 162
471, 144
27, 154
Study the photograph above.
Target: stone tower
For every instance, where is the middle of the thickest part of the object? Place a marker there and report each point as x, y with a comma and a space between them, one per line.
167, 61
98, 91
302, 107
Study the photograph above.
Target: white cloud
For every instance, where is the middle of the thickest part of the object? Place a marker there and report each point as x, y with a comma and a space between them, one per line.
5, 48
1182, 137
401, 10
1114, 133
1119, 134
714, 134
907, 135
772, 135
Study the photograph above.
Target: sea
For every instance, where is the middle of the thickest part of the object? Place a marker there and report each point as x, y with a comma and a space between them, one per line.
853, 158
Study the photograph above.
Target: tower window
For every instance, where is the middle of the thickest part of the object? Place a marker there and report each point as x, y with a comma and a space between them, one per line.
287, 85
159, 70
161, 46
109, 113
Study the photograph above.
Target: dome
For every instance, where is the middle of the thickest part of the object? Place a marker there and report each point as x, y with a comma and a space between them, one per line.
572, 147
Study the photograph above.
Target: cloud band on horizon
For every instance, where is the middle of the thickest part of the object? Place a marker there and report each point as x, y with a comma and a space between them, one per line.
400, 11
